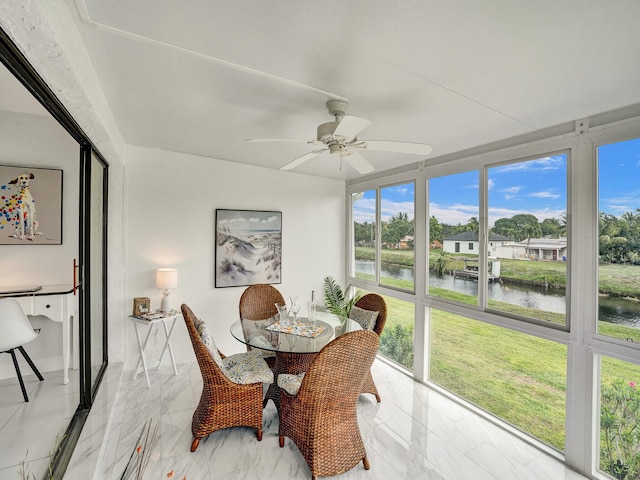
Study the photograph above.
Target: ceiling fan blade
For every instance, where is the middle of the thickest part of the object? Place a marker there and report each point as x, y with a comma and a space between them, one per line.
398, 147
358, 162
300, 160
350, 126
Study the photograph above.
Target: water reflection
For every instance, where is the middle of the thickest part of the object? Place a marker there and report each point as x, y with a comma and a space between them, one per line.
614, 310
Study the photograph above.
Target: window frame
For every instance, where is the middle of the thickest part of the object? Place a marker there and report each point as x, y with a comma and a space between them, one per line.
579, 139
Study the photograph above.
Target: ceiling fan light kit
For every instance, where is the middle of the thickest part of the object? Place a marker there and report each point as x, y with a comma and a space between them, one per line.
340, 137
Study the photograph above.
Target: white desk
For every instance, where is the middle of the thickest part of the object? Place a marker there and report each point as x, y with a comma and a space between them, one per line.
57, 303
169, 323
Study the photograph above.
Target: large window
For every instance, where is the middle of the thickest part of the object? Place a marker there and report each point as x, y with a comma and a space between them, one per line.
453, 224
527, 245
389, 250
396, 341
364, 211
526, 255
619, 240
619, 419
525, 292
397, 236
516, 377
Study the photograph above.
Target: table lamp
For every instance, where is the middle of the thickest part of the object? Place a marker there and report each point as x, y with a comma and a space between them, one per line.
166, 278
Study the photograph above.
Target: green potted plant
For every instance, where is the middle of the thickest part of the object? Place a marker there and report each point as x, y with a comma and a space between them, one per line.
336, 300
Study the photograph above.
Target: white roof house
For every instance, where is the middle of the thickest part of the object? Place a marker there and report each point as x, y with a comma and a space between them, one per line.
552, 249
467, 242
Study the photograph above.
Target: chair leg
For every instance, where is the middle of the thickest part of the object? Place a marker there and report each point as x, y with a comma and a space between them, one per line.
17, 367
194, 444
31, 364
259, 434
365, 462
281, 440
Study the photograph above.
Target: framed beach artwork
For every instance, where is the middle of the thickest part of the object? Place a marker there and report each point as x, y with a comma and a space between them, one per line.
248, 248
30, 206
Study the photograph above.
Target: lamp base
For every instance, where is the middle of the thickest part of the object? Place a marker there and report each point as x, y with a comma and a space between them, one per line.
165, 305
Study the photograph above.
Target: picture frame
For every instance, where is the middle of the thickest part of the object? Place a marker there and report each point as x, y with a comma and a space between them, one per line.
248, 247
30, 205
141, 306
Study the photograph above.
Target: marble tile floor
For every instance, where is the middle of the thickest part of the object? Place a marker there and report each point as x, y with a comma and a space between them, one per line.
414, 433
29, 431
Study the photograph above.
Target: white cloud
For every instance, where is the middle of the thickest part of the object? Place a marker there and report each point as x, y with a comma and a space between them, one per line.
546, 163
453, 214
514, 189
545, 195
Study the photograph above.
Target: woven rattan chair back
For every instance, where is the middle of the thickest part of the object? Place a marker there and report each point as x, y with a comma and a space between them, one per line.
321, 418
375, 303
258, 301
223, 403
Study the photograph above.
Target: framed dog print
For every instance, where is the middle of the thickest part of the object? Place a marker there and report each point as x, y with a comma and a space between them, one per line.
248, 247
30, 206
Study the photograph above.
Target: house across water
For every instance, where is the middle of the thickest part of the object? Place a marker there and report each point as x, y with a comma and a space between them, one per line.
547, 249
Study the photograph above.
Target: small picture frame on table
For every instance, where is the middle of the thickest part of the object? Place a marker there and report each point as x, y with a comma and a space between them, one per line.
141, 306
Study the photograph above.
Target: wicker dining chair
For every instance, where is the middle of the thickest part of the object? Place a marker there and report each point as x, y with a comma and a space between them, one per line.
375, 303
321, 415
257, 302
225, 401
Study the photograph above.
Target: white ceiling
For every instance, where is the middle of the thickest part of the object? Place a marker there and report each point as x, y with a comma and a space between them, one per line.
201, 76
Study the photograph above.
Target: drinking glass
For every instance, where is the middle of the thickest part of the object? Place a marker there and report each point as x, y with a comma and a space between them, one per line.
282, 314
295, 309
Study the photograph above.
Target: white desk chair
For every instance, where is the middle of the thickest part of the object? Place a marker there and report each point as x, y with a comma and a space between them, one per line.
16, 331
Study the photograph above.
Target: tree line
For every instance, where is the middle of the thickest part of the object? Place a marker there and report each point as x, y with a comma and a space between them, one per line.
398, 227
619, 240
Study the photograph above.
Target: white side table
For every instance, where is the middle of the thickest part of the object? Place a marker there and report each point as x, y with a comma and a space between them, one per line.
168, 322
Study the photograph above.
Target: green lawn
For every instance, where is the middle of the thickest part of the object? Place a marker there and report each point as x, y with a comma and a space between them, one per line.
517, 377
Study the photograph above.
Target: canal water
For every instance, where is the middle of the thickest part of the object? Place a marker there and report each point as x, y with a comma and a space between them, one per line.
613, 310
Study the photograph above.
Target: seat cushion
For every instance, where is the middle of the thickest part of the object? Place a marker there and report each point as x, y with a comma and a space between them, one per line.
247, 367
207, 339
366, 318
290, 383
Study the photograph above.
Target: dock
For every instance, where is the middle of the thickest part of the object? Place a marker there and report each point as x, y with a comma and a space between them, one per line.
471, 272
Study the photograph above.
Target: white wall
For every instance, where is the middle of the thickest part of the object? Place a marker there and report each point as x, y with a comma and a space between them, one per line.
171, 203
38, 141
47, 34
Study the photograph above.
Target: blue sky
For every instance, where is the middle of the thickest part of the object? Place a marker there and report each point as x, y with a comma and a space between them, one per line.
538, 187
619, 177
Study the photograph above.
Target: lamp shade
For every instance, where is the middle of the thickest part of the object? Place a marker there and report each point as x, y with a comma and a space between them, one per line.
166, 278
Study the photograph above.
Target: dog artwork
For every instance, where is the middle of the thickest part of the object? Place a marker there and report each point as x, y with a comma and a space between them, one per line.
19, 208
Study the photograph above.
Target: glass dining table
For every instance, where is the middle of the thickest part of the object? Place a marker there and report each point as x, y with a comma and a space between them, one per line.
294, 347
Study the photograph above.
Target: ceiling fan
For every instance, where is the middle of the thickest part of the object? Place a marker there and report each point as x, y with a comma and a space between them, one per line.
340, 137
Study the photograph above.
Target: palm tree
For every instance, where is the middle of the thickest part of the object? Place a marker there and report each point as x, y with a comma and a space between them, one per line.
531, 230
563, 225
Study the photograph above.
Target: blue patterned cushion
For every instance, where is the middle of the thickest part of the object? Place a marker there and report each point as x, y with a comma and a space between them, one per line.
290, 383
207, 339
366, 318
247, 367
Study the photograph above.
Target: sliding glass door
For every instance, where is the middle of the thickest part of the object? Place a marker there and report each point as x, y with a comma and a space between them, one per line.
93, 264
91, 271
